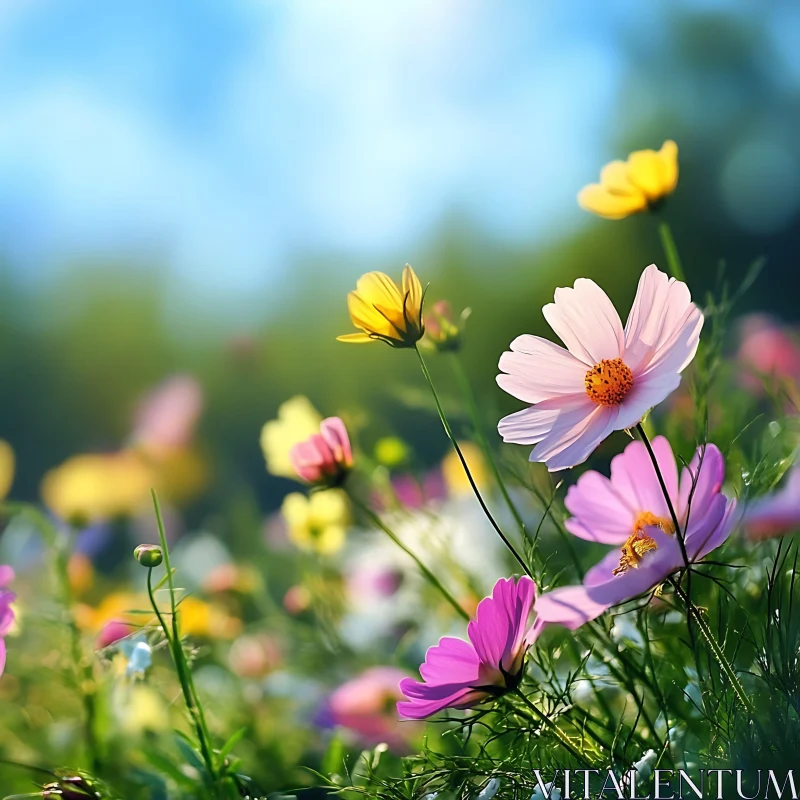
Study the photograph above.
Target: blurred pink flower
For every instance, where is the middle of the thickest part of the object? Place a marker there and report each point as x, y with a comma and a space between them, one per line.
255, 655
112, 632
775, 513
167, 415
324, 457
768, 349
607, 378
370, 583
630, 512
365, 705
6, 612
459, 674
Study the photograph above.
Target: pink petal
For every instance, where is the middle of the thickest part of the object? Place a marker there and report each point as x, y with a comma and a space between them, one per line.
731, 518
6, 575
648, 391
452, 660
603, 570
634, 477
538, 370
599, 512
572, 441
334, 432
701, 480
420, 708
587, 322
704, 525
569, 606
531, 425
663, 320
2, 656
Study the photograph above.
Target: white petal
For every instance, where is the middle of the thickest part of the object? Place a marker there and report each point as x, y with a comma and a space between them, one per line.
587, 322
537, 370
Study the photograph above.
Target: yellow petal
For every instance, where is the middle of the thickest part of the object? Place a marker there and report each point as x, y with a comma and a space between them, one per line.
6, 468
647, 171
355, 338
377, 288
614, 178
596, 199
412, 289
375, 319
297, 419
669, 161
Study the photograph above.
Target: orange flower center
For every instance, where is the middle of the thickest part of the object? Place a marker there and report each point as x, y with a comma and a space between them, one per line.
639, 542
608, 382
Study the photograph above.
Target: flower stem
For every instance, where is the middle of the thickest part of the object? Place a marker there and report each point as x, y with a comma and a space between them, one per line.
432, 579
480, 433
173, 638
82, 664
542, 717
449, 431
716, 647
662, 483
671, 251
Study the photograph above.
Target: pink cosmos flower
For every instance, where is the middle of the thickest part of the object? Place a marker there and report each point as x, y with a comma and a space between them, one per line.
775, 513
324, 457
607, 378
166, 417
630, 512
768, 349
459, 674
6, 612
365, 705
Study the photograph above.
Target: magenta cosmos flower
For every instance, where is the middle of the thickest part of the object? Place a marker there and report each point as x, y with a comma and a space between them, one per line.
608, 377
324, 457
459, 674
776, 513
6, 612
630, 512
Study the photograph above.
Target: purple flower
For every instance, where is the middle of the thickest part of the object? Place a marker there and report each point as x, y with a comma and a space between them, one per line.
629, 511
459, 674
6, 612
775, 513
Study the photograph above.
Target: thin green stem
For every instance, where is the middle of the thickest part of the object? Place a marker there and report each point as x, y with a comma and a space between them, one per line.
480, 433
450, 435
432, 579
82, 665
671, 251
179, 657
716, 647
559, 734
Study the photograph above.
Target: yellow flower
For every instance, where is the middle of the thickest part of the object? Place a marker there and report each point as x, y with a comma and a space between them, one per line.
638, 184
297, 420
386, 312
6, 468
93, 487
317, 522
453, 471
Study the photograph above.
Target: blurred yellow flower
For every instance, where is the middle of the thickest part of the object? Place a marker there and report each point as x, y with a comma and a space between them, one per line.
125, 607
390, 451
138, 708
297, 420
6, 468
206, 621
197, 617
453, 471
93, 487
317, 522
180, 475
638, 184
386, 312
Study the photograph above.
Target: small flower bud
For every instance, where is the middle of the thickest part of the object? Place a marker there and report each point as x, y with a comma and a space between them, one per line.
148, 555
443, 330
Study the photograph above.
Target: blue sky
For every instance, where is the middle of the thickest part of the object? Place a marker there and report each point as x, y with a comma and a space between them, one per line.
225, 138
